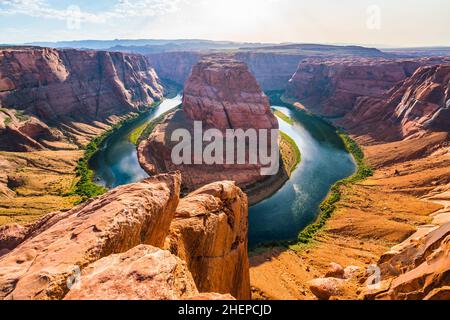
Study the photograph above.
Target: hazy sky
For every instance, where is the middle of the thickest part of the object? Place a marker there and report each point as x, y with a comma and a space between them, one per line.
380, 22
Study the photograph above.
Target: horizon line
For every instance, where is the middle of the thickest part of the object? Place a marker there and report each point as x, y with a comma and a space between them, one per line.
367, 45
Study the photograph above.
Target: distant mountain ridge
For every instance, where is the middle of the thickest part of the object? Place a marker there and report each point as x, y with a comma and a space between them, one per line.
186, 44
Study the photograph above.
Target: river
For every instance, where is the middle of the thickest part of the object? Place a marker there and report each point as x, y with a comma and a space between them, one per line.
280, 217
324, 162
116, 163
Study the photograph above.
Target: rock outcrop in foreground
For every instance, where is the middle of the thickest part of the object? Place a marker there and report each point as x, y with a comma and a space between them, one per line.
111, 247
209, 232
417, 269
221, 94
75, 91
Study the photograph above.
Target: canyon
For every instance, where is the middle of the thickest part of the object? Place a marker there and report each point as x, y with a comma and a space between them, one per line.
396, 221
273, 66
53, 102
79, 91
419, 104
189, 226
175, 66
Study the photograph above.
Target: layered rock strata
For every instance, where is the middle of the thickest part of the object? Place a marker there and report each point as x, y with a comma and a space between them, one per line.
223, 93
272, 70
393, 226
74, 91
417, 269
272, 66
174, 66
331, 87
52, 104
142, 273
114, 223
420, 103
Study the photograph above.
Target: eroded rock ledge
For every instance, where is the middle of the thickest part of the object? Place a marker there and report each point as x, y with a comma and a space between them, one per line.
113, 247
211, 238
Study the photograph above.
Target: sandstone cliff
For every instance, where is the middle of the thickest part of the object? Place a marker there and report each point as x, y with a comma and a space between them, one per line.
331, 87
174, 66
418, 104
222, 94
52, 103
19, 132
413, 118
74, 91
272, 66
272, 70
417, 269
109, 248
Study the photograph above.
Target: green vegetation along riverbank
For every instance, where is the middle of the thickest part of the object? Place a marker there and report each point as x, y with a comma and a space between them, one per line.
290, 153
143, 132
283, 117
330, 203
328, 206
86, 188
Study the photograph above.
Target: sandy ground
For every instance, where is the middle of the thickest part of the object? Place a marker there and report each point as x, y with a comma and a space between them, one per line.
411, 188
38, 183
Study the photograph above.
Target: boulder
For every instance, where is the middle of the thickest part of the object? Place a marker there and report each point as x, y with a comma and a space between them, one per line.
325, 288
335, 271
352, 272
